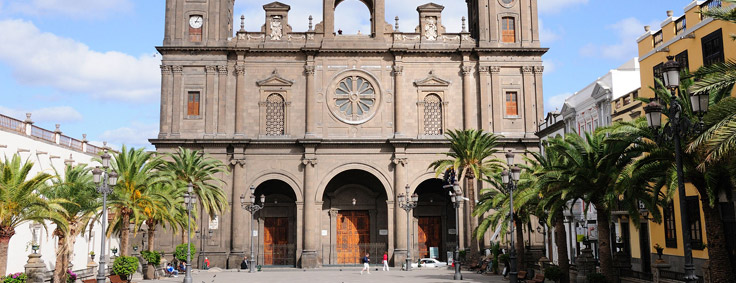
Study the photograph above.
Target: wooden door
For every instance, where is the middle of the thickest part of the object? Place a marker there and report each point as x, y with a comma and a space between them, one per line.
275, 240
353, 235
430, 234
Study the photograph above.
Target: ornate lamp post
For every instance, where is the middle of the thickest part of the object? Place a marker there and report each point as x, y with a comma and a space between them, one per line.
189, 201
509, 179
678, 125
105, 182
408, 203
456, 197
252, 207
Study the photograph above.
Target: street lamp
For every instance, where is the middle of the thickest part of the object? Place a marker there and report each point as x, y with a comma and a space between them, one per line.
252, 207
456, 197
509, 179
677, 125
105, 182
408, 203
189, 200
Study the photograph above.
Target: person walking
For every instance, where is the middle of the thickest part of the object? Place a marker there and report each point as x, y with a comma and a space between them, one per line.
366, 264
385, 261
206, 263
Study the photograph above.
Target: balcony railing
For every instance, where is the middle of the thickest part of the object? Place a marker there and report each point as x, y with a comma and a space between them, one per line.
18, 126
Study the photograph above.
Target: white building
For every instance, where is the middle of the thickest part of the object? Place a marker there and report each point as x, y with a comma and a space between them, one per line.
47, 150
585, 111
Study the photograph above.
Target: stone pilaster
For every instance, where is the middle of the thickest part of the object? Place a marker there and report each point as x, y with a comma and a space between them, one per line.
311, 102
211, 102
166, 81
538, 91
311, 216
177, 104
528, 104
399, 115
240, 101
400, 231
485, 99
469, 101
240, 216
497, 106
222, 99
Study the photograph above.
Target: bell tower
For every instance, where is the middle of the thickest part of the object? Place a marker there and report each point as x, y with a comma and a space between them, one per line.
504, 23
376, 7
198, 22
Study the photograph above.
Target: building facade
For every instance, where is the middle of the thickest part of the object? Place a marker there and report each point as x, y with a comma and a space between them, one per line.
50, 151
694, 41
331, 128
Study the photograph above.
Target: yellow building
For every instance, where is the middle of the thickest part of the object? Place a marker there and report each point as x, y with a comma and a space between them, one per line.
694, 41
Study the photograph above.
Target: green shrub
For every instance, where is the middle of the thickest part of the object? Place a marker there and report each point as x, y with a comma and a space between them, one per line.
181, 252
19, 277
553, 272
153, 257
125, 265
597, 277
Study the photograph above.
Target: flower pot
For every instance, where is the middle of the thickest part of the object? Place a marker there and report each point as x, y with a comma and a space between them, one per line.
659, 253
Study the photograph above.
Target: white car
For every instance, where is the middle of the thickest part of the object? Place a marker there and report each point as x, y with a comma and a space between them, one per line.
429, 263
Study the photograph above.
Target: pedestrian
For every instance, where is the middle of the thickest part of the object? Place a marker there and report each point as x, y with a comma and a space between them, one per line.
206, 263
366, 264
171, 271
244, 264
385, 261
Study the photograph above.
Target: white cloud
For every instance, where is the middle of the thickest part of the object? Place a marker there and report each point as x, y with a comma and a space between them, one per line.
556, 6
44, 59
71, 8
555, 102
547, 35
134, 135
56, 114
626, 32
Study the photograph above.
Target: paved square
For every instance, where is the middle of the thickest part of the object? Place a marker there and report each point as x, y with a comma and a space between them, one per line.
334, 275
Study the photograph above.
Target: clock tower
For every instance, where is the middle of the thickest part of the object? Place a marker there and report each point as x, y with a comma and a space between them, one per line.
504, 23
198, 22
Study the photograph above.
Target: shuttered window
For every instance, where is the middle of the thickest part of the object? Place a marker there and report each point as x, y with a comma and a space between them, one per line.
193, 103
512, 108
508, 30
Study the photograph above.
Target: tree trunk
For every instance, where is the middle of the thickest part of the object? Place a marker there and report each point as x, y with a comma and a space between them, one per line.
151, 237
5, 234
61, 254
183, 235
604, 242
561, 241
470, 192
519, 233
125, 234
721, 269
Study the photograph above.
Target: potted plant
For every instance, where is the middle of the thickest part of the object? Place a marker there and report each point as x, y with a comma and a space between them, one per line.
553, 272
92, 255
125, 266
258, 267
114, 251
659, 250
153, 258
35, 246
71, 277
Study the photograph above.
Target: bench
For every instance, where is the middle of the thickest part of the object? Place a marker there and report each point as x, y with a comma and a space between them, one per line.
539, 278
521, 275
93, 280
116, 279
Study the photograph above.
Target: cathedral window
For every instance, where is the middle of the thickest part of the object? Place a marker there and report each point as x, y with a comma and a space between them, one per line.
512, 104
275, 115
193, 103
508, 30
433, 115
354, 98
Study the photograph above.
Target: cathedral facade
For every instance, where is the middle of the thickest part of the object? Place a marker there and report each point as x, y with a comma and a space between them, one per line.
332, 128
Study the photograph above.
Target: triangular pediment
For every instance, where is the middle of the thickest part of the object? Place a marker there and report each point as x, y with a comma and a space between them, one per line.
431, 7
275, 80
276, 6
600, 90
432, 80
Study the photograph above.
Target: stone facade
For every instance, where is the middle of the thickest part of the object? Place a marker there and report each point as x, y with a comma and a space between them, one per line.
331, 128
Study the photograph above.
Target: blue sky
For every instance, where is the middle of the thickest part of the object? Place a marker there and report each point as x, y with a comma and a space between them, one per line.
91, 65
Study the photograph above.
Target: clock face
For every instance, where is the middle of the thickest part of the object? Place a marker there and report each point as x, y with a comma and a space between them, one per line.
195, 21
507, 3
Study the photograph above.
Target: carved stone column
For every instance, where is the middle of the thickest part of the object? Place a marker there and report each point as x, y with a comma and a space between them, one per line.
529, 102
222, 97
538, 91
399, 115
311, 216
177, 104
400, 182
469, 103
240, 101
240, 217
311, 103
496, 99
486, 111
165, 121
210, 126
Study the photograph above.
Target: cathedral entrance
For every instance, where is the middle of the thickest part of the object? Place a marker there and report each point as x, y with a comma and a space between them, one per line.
355, 218
276, 241
430, 234
353, 236
434, 221
276, 224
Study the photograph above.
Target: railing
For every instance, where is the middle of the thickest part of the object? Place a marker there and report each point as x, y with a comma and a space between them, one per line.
673, 275
283, 255
12, 124
76, 144
43, 134
93, 149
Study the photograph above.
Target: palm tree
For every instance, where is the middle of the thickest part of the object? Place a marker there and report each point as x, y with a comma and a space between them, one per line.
137, 171
75, 191
19, 200
161, 211
471, 154
193, 167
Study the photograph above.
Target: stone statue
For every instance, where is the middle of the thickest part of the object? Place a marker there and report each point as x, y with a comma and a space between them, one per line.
430, 28
276, 28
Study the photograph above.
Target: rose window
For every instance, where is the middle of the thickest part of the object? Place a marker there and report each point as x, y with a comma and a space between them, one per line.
354, 98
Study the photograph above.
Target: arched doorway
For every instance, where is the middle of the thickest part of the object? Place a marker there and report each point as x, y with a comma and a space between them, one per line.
277, 224
434, 221
355, 218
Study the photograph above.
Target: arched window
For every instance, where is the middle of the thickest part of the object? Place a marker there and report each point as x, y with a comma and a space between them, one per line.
275, 115
433, 115
353, 17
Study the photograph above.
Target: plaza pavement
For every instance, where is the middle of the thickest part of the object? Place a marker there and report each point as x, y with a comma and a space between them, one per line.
332, 275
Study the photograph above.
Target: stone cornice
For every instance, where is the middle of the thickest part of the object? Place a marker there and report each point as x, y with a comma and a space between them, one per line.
389, 49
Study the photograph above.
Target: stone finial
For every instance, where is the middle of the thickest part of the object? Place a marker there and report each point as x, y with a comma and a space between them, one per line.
28, 118
242, 22
396, 27
310, 23
670, 13
464, 26
84, 137
647, 28
58, 128
104, 145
